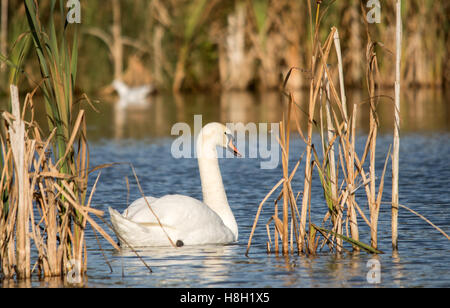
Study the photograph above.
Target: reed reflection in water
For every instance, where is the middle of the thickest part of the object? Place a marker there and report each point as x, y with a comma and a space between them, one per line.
422, 111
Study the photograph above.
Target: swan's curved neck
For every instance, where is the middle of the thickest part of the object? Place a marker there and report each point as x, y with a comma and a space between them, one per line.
212, 186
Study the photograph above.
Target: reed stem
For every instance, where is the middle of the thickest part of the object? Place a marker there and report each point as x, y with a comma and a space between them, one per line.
396, 147
17, 134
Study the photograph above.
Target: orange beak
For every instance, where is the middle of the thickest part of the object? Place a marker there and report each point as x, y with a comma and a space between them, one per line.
233, 149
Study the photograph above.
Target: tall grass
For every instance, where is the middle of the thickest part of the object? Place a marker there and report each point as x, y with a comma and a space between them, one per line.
45, 178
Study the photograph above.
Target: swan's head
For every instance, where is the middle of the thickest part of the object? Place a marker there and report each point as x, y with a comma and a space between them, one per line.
219, 135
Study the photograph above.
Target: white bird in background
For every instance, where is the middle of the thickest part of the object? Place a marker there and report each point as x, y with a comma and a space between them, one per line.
185, 220
129, 96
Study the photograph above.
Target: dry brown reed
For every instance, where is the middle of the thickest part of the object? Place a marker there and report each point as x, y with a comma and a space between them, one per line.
43, 214
45, 206
396, 149
341, 169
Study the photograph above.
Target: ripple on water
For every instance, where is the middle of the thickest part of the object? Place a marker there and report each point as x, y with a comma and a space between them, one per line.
422, 261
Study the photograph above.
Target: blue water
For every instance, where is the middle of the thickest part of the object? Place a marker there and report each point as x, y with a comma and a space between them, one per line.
422, 260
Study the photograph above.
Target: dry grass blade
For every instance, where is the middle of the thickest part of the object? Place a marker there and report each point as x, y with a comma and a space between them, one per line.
259, 212
150, 208
103, 166
427, 220
85, 212
128, 245
75, 131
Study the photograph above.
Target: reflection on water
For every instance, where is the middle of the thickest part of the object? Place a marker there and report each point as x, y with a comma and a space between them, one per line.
421, 111
136, 114
139, 135
210, 262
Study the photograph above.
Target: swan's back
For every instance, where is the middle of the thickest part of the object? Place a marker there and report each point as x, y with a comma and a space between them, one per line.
184, 219
132, 95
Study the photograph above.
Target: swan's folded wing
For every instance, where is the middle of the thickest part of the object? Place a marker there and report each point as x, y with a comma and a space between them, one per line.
195, 222
183, 218
138, 210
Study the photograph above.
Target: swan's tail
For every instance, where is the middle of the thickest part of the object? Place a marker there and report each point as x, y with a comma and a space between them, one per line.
130, 233
117, 224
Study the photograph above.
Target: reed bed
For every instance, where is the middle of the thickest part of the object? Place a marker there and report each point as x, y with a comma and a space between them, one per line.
45, 205
240, 44
341, 169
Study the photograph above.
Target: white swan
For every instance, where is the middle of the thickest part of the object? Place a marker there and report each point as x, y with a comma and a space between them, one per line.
131, 95
185, 220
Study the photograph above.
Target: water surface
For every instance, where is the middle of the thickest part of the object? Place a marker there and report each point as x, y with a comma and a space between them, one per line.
141, 136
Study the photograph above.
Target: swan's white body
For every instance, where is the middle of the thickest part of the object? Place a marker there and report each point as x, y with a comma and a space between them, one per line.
185, 220
131, 95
